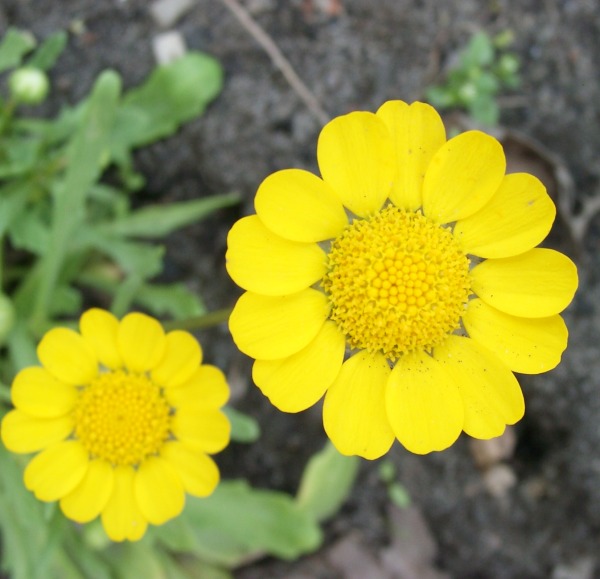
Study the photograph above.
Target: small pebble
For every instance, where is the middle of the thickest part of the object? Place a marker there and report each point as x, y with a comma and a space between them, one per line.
168, 47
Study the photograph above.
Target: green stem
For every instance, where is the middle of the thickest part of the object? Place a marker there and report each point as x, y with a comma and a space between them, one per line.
6, 115
200, 322
2, 264
5, 396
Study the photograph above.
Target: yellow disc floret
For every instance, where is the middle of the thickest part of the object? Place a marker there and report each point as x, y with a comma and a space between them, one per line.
122, 418
397, 282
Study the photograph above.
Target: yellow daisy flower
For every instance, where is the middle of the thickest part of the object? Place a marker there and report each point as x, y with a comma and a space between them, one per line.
125, 417
404, 285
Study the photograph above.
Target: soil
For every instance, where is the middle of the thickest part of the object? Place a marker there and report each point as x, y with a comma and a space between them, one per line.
534, 511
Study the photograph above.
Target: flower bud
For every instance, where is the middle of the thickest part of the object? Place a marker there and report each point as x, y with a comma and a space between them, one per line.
28, 85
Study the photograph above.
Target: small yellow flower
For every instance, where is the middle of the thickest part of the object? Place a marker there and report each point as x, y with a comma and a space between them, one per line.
125, 417
405, 284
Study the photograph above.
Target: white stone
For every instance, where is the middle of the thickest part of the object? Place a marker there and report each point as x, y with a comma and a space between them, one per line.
168, 47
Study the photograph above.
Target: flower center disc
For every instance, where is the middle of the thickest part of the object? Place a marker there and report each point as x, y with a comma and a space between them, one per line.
397, 282
122, 418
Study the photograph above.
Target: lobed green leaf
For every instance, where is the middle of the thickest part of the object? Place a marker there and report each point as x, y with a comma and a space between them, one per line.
326, 482
14, 46
244, 428
173, 94
86, 152
238, 522
48, 52
156, 221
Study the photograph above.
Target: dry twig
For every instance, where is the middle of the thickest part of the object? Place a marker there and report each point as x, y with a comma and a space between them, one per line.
279, 60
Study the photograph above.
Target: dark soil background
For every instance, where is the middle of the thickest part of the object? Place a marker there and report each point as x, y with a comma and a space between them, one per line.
526, 508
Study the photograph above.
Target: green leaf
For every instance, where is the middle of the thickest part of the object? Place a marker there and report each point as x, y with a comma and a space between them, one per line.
22, 347
14, 46
156, 221
66, 301
504, 39
86, 151
179, 535
399, 495
387, 471
28, 544
13, 198
174, 300
7, 317
125, 295
28, 231
485, 111
185, 567
238, 522
195, 568
47, 54
18, 156
83, 561
440, 97
487, 83
136, 560
507, 70
107, 203
134, 257
244, 428
326, 482
55, 131
173, 94
479, 52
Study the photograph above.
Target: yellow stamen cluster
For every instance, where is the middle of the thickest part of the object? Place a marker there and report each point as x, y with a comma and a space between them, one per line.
397, 282
122, 418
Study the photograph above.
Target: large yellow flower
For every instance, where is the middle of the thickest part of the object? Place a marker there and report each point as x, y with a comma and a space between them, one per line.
404, 284
124, 416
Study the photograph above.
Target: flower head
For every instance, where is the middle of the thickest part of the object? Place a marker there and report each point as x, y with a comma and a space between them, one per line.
124, 417
405, 284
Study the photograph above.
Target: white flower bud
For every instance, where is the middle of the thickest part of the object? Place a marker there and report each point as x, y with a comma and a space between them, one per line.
29, 86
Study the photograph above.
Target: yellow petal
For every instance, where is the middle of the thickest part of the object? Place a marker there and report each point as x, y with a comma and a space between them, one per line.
198, 471
23, 433
158, 490
417, 133
296, 383
526, 345
36, 392
269, 328
356, 157
141, 341
181, 359
491, 394
299, 206
536, 284
262, 262
100, 328
354, 411
201, 431
67, 356
516, 219
122, 518
57, 470
207, 388
423, 404
462, 176
86, 501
